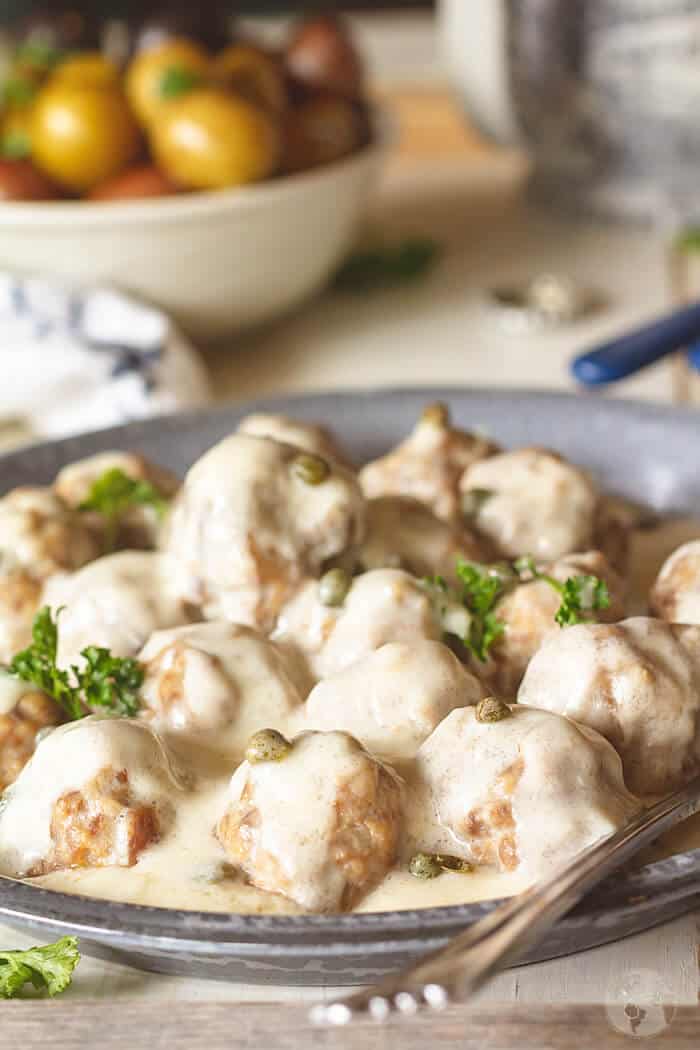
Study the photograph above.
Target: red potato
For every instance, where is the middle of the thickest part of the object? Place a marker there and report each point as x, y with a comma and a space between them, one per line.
321, 130
21, 181
137, 183
321, 54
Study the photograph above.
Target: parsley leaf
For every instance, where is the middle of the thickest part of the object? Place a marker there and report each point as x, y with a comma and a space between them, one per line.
581, 596
382, 267
37, 665
114, 494
48, 969
103, 681
110, 682
483, 587
177, 81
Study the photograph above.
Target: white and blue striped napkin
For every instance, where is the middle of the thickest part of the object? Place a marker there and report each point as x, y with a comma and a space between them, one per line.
79, 359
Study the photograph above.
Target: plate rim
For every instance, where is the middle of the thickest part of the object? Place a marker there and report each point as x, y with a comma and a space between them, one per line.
20, 901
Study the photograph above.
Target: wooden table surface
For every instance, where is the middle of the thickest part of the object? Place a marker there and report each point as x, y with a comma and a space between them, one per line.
218, 1026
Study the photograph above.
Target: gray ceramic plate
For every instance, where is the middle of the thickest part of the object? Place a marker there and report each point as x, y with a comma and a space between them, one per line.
641, 451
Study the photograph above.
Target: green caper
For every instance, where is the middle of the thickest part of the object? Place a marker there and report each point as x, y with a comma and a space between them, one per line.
267, 745
491, 709
430, 865
310, 469
449, 863
436, 415
334, 586
424, 866
473, 500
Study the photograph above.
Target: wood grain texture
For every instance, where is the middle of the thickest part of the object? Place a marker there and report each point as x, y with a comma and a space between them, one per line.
215, 1026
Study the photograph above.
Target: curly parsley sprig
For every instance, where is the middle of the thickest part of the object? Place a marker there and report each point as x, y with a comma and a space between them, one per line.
114, 494
581, 596
49, 968
108, 682
482, 587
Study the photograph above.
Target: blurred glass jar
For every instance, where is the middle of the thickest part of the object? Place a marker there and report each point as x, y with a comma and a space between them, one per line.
605, 94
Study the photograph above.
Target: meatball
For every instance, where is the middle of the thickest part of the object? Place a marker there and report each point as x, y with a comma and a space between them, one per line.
675, 595
393, 698
428, 464
254, 518
637, 683
403, 534
527, 613
20, 593
320, 826
522, 793
139, 528
96, 793
41, 535
23, 714
531, 501
116, 602
308, 436
385, 605
216, 678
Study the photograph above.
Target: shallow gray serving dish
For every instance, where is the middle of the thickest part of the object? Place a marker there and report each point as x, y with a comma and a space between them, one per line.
642, 451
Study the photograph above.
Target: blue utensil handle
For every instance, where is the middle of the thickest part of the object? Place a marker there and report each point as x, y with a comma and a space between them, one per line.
629, 353
694, 357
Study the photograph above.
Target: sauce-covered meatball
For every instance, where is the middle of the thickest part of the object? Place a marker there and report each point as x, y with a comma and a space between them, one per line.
428, 464
403, 534
216, 678
116, 602
528, 612
331, 632
522, 793
319, 825
42, 535
24, 713
139, 527
637, 683
20, 594
311, 437
96, 793
531, 501
393, 698
675, 595
254, 517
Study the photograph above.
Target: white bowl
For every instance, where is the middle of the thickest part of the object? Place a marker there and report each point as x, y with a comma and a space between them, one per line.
217, 262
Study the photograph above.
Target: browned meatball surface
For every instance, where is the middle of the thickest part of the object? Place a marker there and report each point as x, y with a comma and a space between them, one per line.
320, 825
428, 464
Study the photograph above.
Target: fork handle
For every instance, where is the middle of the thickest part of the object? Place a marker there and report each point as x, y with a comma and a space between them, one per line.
456, 971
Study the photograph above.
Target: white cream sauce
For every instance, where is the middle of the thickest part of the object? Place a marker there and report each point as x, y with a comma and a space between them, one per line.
187, 868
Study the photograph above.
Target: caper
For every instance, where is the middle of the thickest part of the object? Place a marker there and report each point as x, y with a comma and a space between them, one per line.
473, 500
430, 865
267, 745
334, 586
491, 709
449, 863
310, 469
424, 866
436, 415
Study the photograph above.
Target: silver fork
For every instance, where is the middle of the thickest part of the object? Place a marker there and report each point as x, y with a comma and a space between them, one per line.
454, 973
